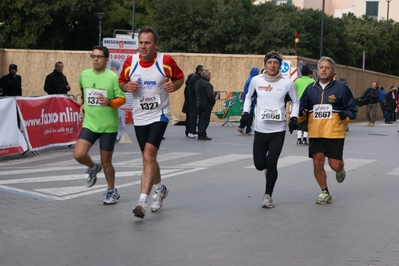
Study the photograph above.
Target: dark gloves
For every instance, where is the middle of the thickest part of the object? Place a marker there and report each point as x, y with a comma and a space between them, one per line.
293, 125
244, 118
342, 115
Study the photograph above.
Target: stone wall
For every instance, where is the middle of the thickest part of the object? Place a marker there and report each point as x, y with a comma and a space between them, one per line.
229, 72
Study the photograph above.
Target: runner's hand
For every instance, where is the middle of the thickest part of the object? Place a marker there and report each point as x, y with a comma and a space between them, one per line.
342, 115
132, 86
293, 125
168, 85
244, 118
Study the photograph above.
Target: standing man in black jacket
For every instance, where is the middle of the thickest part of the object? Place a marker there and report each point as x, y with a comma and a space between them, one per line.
192, 132
56, 82
11, 84
372, 94
205, 103
186, 104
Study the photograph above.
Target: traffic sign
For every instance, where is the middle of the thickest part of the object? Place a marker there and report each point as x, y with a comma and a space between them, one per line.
285, 68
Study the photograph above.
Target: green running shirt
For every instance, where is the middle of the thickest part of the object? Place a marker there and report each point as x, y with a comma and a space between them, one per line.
100, 119
301, 84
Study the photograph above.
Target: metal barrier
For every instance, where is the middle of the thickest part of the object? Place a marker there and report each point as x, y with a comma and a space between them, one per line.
75, 97
78, 98
230, 105
220, 97
72, 96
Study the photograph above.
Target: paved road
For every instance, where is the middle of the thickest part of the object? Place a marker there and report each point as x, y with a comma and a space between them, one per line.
212, 215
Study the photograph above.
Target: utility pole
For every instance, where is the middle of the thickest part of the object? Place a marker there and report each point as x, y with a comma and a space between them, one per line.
388, 1
100, 16
133, 11
322, 28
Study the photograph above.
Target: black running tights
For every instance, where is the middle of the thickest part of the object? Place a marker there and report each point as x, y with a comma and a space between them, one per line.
266, 151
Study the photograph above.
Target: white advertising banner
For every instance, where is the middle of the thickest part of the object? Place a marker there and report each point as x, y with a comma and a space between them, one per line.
119, 51
11, 139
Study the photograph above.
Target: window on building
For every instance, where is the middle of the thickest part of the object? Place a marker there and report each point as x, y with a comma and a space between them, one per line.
372, 9
281, 2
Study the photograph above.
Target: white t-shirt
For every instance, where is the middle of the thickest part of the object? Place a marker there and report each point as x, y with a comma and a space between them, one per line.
270, 108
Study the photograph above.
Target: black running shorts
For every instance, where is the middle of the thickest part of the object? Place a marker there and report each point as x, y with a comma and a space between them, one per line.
332, 148
107, 140
152, 133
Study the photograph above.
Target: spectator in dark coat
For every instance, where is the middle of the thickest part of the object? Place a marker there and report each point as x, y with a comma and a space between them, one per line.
205, 103
389, 103
192, 131
56, 82
186, 104
11, 84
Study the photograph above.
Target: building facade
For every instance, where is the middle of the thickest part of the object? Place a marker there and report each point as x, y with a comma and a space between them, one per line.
377, 9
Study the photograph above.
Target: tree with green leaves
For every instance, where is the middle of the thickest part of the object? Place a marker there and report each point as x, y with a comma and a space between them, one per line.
49, 24
207, 26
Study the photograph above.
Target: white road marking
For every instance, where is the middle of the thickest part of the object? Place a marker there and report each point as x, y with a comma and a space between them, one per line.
63, 191
73, 165
73, 177
38, 170
95, 158
394, 172
288, 161
350, 163
160, 158
229, 158
80, 191
35, 158
353, 163
70, 192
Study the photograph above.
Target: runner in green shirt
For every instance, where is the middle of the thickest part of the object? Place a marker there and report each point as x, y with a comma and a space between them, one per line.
101, 97
300, 86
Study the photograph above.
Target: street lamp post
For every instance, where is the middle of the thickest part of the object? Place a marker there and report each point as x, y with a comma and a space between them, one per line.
388, 1
133, 11
322, 28
100, 16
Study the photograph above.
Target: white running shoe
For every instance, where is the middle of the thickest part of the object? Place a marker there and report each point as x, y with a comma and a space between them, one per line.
111, 197
91, 177
157, 199
324, 198
267, 201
